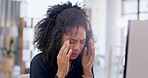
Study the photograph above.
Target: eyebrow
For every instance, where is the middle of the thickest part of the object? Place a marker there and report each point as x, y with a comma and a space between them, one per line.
76, 39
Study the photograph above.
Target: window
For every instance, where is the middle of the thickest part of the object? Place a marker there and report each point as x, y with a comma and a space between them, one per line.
135, 9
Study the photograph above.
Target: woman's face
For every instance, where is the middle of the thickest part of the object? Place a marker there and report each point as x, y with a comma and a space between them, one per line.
76, 39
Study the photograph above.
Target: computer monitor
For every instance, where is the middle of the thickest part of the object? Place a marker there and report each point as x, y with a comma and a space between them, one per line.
136, 58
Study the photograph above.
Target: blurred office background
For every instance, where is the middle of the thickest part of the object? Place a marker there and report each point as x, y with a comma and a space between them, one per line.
109, 19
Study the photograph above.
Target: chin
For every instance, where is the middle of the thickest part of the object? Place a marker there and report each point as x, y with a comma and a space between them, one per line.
73, 58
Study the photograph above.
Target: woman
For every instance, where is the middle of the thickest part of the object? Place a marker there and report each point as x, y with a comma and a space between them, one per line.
65, 40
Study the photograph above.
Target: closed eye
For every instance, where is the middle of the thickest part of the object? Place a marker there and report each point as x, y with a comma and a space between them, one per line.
71, 42
82, 41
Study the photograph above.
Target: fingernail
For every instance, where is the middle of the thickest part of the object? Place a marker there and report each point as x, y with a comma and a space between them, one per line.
91, 40
70, 50
67, 41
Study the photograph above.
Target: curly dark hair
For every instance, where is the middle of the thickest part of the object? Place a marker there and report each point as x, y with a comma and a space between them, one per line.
58, 20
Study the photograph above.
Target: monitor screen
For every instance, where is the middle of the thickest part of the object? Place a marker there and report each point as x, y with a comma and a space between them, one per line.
136, 58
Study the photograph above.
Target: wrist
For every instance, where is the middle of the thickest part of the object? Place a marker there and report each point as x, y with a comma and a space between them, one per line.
87, 72
87, 76
60, 75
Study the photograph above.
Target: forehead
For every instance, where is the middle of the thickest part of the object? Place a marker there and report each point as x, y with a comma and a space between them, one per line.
76, 32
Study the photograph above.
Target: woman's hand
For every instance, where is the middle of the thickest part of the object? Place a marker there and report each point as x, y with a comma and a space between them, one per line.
63, 60
87, 59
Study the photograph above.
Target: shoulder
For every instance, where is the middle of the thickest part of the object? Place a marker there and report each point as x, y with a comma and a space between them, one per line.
37, 58
37, 61
38, 69
41, 69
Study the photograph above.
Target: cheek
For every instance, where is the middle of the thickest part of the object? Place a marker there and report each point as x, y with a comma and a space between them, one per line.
71, 46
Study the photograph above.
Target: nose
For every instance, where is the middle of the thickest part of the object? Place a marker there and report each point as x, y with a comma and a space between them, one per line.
77, 47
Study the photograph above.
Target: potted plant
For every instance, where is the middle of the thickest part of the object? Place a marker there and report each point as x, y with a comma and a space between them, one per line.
9, 54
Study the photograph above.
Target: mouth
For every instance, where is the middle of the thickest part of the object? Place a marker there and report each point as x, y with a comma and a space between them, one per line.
74, 54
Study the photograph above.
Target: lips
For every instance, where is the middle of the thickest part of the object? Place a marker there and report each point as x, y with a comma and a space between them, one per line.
74, 54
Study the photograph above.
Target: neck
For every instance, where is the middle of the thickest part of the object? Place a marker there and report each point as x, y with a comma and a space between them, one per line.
70, 61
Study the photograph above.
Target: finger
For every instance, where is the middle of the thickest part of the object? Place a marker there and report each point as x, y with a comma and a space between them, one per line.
66, 48
91, 59
92, 55
92, 46
85, 51
62, 48
89, 46
69, 53
93, 50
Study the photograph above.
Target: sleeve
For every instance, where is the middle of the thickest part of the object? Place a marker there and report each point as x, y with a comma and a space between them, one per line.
38, 69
